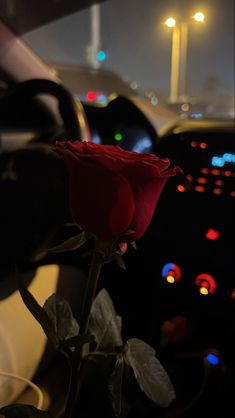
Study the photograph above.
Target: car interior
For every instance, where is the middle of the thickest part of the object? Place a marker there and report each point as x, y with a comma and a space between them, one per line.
177, 292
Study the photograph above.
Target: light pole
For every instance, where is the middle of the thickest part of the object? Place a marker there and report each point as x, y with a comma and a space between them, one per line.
95, 56
175, 59
178, 86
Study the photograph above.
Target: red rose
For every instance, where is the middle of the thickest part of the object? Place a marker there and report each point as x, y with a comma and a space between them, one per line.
113, 190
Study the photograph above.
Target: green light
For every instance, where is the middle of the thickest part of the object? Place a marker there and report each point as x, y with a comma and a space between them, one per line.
118, 136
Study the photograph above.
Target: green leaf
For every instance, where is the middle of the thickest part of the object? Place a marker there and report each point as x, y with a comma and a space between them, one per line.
64, 324
118, 401
121, 263
104, 322
133, 243
149, 373
76, 341
23, 411
70, 244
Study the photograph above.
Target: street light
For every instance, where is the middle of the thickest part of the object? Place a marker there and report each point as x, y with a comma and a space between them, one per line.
179, 55
175, 59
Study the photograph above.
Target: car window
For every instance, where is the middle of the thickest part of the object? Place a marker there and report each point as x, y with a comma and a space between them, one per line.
138, 46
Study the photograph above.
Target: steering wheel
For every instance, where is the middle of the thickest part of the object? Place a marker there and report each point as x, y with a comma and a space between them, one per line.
39, 190
72, 113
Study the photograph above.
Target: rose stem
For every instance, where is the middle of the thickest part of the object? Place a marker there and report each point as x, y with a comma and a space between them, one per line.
75, 383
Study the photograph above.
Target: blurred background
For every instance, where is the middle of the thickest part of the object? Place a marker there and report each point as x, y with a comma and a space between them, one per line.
185, 61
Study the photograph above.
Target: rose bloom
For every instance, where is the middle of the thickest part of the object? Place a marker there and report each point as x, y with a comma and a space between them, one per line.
111, 190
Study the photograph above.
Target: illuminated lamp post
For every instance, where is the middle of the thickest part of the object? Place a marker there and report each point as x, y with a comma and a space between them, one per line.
179, 56
95, 55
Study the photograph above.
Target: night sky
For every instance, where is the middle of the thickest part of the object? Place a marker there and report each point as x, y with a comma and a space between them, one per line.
139, 44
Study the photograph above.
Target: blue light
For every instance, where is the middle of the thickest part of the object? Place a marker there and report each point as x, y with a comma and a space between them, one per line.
102, 99
143, 145
101, 55
96, 138
198, 115
217, 162
213, 359
166, 268
227, 157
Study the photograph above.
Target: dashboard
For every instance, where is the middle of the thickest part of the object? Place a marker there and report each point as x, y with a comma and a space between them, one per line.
122, 123
178, 291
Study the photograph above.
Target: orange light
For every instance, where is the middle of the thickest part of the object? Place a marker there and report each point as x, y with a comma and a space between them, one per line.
181, 188
217, 191
219, 182
199, 189
204, 170
203, 145
202, 180
215, 172
227, 173
193, 144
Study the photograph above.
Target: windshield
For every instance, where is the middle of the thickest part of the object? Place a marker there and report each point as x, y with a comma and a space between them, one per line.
174, 52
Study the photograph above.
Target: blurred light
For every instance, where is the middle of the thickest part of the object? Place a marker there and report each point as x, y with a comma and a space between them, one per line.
189, 178
197, 115
193, 144
185, 107
212, 234
232, 294
206, 283
171, 272
199, 17
170, 279
203, 145
143, 145
118, 136
96, 138
215, 172
213, 359
204, 170
101, 55
202, 180
170, 22
199, 189
91, 96
217, 191
203, 290
134, 85
102, 99
227, 173
227, 157
219, 182
181, 188
232, 193
154, 100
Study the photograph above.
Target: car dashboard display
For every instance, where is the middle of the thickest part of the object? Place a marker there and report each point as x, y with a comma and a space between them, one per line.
180, 281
